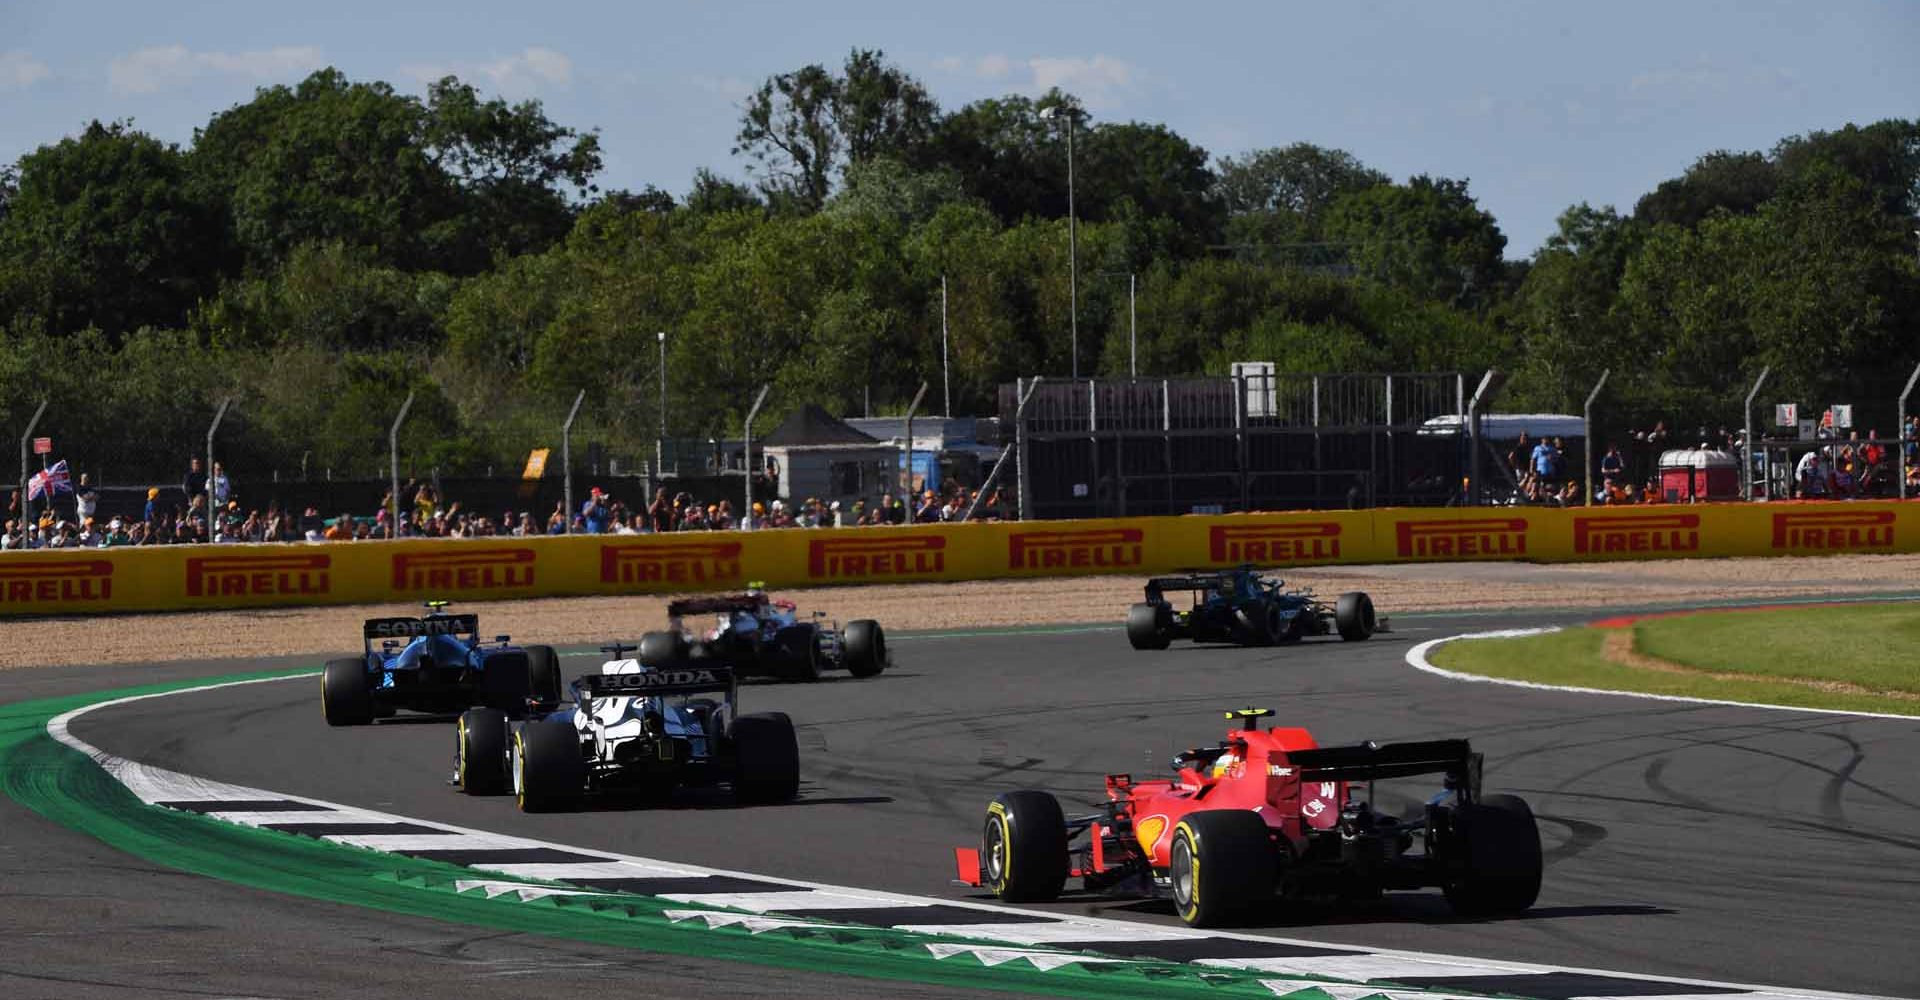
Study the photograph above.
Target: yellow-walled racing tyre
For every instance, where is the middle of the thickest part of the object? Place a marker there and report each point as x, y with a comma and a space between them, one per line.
1223, 865
480, 751
1023, 847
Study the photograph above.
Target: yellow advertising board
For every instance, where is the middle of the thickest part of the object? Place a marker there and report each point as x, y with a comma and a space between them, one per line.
68, 581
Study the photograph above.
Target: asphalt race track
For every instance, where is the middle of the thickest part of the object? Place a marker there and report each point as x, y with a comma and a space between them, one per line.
1696, 841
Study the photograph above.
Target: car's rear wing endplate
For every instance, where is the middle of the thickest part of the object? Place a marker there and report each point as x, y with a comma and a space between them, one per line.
1210, 581
649, 683
409, 628
1380, 761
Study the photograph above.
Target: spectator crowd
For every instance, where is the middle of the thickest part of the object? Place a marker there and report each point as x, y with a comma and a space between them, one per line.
213, 513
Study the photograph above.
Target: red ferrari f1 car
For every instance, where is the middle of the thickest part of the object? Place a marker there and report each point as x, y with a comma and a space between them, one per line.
1268, 814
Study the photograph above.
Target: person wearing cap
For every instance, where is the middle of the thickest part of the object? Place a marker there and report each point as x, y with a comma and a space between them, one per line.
594, 514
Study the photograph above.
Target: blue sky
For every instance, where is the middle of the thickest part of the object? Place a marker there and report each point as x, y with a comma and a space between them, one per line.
1540, 106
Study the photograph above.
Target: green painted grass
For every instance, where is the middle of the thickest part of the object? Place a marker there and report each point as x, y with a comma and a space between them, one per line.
1573, 658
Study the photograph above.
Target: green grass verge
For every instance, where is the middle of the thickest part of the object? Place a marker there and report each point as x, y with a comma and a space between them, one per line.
1872, 645
1572, 657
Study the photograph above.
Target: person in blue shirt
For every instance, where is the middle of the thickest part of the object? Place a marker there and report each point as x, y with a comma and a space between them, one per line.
594, 512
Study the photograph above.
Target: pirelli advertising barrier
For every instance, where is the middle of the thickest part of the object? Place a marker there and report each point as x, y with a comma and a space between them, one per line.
232, 576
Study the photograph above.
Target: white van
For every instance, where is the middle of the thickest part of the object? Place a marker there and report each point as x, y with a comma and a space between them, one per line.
1509, 426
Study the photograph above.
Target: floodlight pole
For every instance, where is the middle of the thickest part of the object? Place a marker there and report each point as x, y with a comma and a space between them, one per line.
660, 443
746, 516
566, 461
946, 376
1586, 428
26, 442
393, 453
1746, 416
1133, 329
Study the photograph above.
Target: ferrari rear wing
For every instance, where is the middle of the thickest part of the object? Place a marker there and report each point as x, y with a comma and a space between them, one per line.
648, 683
1377, 762
408, 628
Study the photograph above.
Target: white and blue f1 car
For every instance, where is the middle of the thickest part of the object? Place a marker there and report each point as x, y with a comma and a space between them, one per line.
437, 664
634, 730
755, 635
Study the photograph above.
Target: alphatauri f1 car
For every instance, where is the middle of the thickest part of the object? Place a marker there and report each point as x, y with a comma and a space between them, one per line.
1241, 606
632, 729
437, 663
1265, 815
755, 635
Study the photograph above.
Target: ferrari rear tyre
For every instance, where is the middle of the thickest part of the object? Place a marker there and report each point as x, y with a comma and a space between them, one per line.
1353, 616
865, 647
663, 649
480, 752
1503, 867
549, 774
1147, 626
345, 698
543, 674
768, 758
1024, 847
1223, 866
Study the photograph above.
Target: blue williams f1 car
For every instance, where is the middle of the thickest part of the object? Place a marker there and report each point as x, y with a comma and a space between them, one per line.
634, 730
754, 635
435, 664
1242, 607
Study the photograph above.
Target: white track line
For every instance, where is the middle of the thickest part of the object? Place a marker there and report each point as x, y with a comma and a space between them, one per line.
154, 785
1417, 659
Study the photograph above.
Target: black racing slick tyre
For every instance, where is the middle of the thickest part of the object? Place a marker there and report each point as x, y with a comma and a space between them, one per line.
1147, 626
864, 645
1223, 866
505, 682
794, 653
1353, 616
1502, 843
345, 697
767, 755
1259, 624
543, 674
549, 774
663, 649
1023, 847
480, 751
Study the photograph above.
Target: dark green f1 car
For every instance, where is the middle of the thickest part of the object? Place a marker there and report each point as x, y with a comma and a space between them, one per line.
1242, 607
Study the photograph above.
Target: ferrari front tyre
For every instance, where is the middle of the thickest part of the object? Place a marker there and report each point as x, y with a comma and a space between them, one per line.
480, 752
1024, 847
1353, 616
1223, 866
549, 772
767, 758
663, 649
543, 674
1503, 864
1147, 627
865, 647
345, 697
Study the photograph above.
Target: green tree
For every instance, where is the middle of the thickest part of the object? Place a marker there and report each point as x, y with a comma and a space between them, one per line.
1427, 236
802, 128
1720, 181
1276, 198
104, 231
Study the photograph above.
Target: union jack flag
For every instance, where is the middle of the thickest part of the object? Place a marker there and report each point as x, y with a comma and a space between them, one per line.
49, 481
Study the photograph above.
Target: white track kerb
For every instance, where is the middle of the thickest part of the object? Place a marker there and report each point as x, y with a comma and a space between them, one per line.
1417, 659
1041, 939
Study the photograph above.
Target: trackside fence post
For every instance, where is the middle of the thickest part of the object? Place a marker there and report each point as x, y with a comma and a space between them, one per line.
26, 444
1746, 419
1900, 429
566, 460
213, 429
1019, 413
1586, 428
393, 469
746, 516
906, 451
